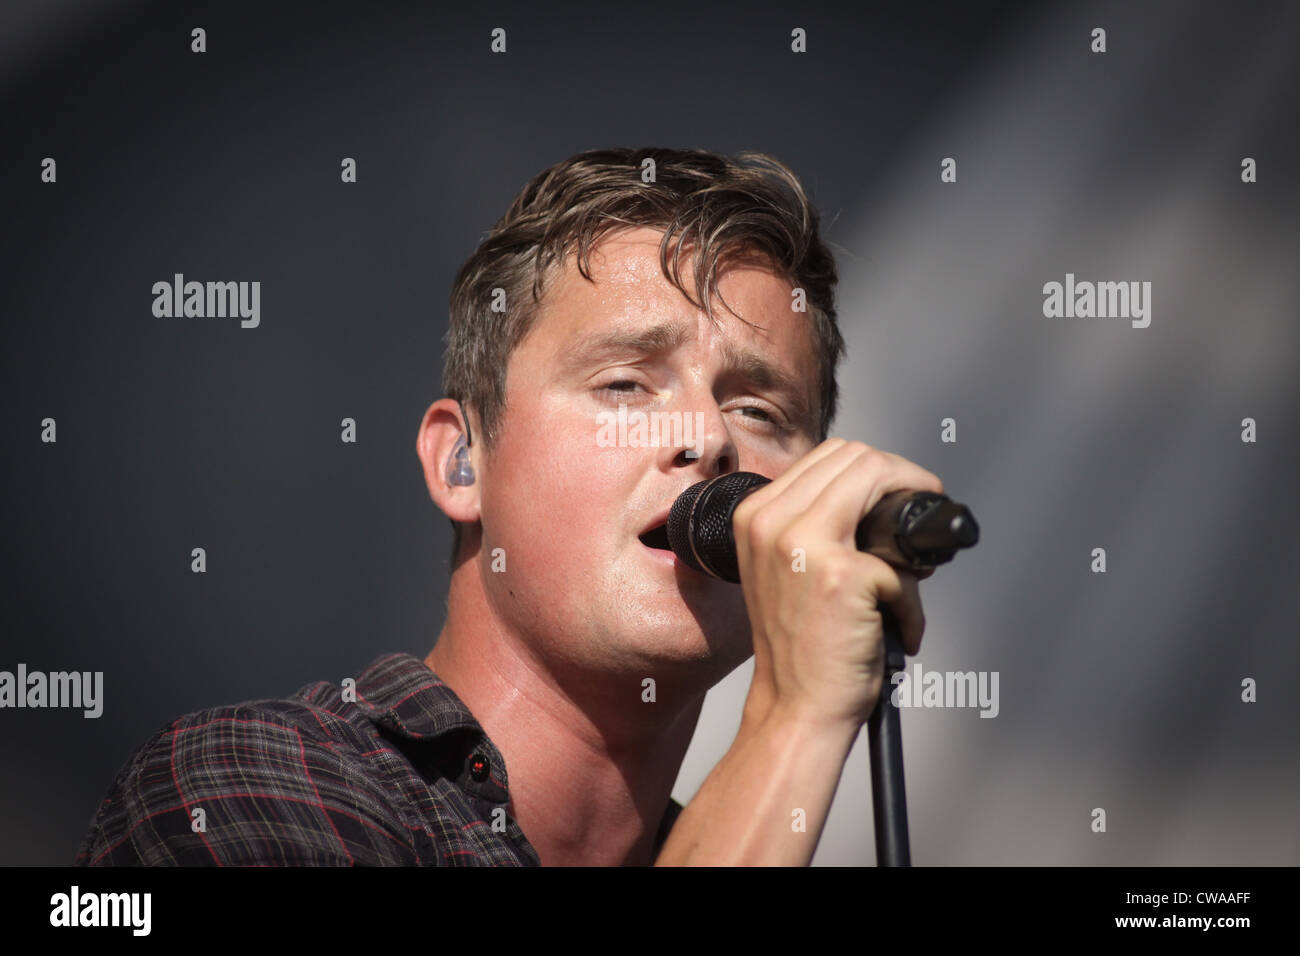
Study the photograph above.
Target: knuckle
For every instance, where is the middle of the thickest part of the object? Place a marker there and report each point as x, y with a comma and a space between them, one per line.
798, 534
762, 526
789, 539
835, 574
743, 516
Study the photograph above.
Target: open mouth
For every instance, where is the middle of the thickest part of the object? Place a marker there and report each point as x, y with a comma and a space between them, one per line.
656, 537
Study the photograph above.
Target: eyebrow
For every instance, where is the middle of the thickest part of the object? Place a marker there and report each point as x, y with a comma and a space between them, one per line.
652, 341
663, 338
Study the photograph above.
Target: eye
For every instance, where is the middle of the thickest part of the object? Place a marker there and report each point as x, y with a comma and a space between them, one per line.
766, 415
620, 389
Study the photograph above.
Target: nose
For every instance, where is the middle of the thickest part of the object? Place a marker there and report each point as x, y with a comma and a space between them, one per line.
707, 448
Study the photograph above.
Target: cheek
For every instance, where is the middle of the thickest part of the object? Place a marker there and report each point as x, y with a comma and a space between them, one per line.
553, 491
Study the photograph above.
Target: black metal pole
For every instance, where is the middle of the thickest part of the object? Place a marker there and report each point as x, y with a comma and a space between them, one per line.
885, 738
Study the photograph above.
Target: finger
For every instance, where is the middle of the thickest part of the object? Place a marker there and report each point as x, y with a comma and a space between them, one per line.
856, 489
796, 492
778, 484
900, 592
783, 500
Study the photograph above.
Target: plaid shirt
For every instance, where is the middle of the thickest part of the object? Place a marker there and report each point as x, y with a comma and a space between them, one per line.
403, 776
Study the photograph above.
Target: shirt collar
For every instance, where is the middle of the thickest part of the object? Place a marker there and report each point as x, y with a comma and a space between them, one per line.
409, 702
404, 695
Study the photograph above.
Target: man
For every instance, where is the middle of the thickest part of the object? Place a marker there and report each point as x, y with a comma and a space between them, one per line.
549, 721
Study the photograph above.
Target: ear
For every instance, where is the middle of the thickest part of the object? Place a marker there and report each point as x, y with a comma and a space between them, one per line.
435, 444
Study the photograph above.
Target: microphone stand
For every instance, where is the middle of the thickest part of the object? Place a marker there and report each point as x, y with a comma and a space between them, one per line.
885, 738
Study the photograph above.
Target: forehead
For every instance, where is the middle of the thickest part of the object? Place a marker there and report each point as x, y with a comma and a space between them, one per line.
631, 293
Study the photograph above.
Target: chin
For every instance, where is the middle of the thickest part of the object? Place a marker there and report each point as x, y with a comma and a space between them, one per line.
686, 643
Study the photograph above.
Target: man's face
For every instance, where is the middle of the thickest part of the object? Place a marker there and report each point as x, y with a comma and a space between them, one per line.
569, 509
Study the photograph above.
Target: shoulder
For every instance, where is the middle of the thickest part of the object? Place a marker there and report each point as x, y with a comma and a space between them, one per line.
279, 782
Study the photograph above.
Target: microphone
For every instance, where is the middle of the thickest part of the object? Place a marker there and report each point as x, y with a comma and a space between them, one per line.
914, 530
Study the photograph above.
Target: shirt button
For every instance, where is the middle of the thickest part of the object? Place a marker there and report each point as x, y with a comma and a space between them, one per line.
478, 767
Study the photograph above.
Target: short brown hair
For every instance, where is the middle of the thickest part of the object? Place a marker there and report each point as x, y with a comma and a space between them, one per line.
723, 208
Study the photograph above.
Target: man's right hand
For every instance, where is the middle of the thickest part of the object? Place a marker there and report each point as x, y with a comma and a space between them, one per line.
814, 599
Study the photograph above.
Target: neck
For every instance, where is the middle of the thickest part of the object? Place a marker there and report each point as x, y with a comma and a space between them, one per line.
591, 765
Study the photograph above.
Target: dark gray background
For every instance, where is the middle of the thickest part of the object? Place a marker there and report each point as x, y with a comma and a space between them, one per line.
1118, 691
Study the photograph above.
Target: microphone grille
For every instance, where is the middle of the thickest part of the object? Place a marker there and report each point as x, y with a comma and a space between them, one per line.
679, 522
699, 525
